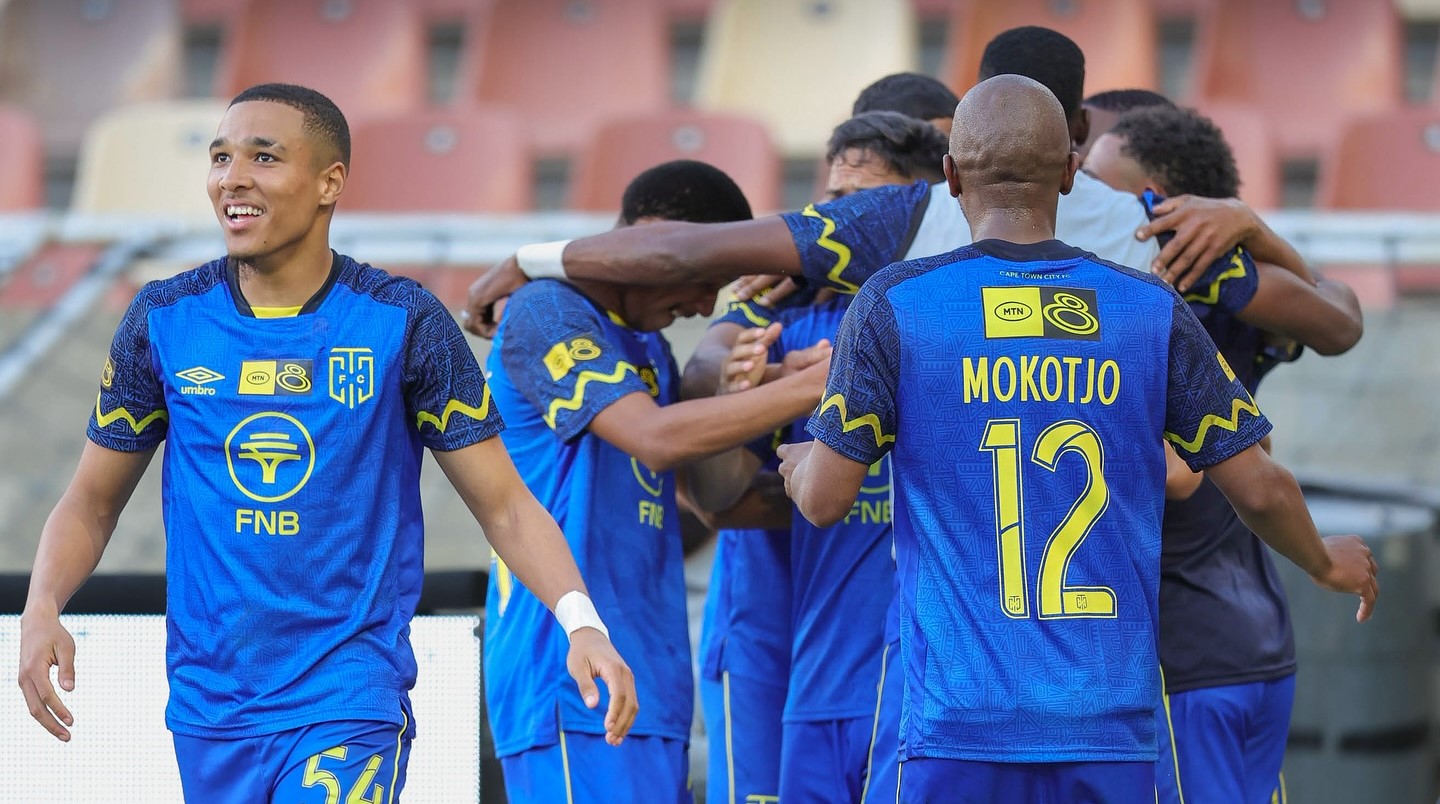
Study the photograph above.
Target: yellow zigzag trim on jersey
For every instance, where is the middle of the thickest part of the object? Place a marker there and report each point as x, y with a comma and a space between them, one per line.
1211, 420
454, 406
749, 312
106, 419
871, 420
1212, 293
586, 377
842, 251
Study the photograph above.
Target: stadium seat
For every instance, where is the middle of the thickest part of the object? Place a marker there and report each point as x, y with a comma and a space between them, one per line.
1385, 161
567, 65
22, 161
452, 160
798, 64
70, 61
149, 159
1116, 36
367, 55
1249, 137
740, 146
210, 12
1307, 64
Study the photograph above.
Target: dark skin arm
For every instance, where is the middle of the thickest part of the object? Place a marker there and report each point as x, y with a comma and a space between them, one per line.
1325, 316
763, 506
822, 482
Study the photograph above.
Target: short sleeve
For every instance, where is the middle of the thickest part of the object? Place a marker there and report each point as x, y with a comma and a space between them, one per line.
445, 390
130, 413
1229, 283
557, 355
747, 314
1209, 416
844, 242
857, 416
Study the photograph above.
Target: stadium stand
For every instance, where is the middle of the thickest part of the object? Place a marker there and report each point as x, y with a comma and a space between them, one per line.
149, 159
367, 55
22, 161
1117, 37
798, 64
69, 61
623, 148
1389, 160
1249, 138
566, 65
473, 159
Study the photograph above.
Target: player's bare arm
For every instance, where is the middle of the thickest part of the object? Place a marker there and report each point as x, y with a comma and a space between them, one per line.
527, 539
74, 538
1269, 502
763, 506
822, 482
701, 376
1325, 316
1180, 481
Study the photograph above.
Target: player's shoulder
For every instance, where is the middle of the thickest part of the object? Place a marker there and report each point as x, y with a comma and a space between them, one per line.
898, 273
384, 287
552, 298
1099, 200
186, 284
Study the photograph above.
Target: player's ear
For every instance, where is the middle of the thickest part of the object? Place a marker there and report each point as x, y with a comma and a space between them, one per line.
332, 183
952, 176
1072, 164
1080, 127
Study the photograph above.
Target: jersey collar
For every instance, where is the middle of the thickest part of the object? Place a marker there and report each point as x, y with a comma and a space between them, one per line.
232, 280
1044, 251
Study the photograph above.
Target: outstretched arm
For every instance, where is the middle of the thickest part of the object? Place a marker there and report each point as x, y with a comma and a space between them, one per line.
1324, 316
71, 544
527, 539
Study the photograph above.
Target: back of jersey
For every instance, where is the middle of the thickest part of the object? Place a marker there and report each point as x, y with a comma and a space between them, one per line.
1026, 390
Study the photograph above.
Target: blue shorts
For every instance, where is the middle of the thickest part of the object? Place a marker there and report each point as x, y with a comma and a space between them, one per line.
584, 769
956, 781
1228, 746
742, 720
824, 761
883, 767
341, 760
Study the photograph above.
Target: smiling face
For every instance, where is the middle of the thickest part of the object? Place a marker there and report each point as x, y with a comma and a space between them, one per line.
272, 184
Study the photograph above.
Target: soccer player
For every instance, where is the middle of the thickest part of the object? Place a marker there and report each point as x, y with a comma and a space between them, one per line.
911, 94
1106, 108
1226, 645
590, 391
1021, 386
296, 389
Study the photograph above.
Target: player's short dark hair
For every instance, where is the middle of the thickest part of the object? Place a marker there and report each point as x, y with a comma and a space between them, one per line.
1182, 149
1042, 55
912, 94
909, 146
684, 190
1120, 101
322, 117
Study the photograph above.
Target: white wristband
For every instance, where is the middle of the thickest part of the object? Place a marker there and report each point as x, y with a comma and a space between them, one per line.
575, 610
543, 260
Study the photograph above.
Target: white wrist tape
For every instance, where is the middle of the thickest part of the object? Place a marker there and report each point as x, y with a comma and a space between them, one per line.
575, 610
543, 260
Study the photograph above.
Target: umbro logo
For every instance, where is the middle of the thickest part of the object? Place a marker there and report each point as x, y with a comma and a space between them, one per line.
199, 378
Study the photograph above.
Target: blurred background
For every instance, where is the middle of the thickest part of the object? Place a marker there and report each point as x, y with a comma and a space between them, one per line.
482, 125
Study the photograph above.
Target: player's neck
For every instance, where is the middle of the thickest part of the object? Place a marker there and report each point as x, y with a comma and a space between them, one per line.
1013, 225
284, 281
607, 295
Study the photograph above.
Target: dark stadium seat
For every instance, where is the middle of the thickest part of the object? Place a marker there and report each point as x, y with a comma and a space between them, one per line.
70, 61
1117, 37
1386, 161
453, 160
798, 64
367, 55
1249, 137
622, 148
1306, 64
567, 65
22, 161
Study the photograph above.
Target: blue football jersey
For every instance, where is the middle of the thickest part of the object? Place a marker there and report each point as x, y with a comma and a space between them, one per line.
843, 575
557, 362
1023, 391
290, 486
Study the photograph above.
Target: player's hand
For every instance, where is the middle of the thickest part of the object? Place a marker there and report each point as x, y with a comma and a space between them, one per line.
818, 371
791, 456
1353, 570
485, 301
745, 366
591, 657
44, 643
799, 360
767, 289
1206, 229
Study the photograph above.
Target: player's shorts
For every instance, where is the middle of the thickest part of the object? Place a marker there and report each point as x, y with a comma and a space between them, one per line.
742, 721
1228, 746
824, 761
954, 781
883, 765
584, 769
343, 760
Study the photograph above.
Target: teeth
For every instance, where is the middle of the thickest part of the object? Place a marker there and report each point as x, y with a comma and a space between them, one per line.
235, 210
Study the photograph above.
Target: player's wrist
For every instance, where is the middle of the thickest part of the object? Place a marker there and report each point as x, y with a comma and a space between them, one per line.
575, 610
543, 260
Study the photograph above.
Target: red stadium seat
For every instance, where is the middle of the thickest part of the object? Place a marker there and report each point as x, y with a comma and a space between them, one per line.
367, 55
1249, 137
567, 65
740, 146
1387, 161
450, 160
22, 161
1306, 64
1116, 36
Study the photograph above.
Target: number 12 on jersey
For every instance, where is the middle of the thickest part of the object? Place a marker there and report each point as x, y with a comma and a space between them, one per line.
1054, 598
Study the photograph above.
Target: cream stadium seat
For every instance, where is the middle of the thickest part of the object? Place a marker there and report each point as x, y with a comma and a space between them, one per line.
149, 159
